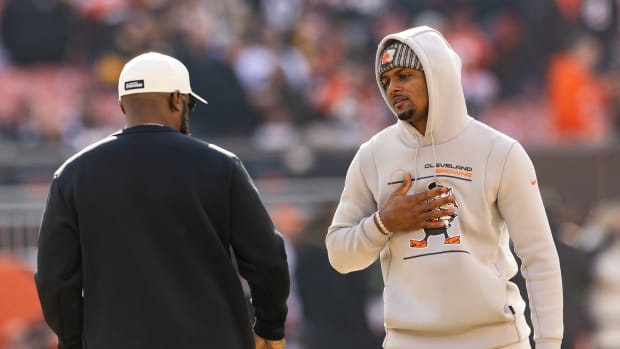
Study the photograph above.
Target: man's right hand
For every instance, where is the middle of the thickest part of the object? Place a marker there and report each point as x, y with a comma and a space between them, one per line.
408, 212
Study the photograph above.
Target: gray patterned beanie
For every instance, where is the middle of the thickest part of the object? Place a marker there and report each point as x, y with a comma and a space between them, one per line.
397, 54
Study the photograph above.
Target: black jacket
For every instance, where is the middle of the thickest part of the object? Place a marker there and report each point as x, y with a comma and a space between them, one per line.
140, 243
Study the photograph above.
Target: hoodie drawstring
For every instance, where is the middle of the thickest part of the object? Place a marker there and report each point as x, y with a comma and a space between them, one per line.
434, 158
415, 163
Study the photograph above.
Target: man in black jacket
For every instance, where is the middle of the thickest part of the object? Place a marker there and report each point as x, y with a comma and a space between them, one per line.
138, 236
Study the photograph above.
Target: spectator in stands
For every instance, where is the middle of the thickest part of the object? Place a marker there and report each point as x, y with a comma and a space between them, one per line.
36, 31
578, 98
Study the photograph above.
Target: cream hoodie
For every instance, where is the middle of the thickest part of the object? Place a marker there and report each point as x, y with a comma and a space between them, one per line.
451, 295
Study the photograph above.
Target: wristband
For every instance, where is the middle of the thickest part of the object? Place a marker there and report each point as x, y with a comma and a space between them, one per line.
380, 224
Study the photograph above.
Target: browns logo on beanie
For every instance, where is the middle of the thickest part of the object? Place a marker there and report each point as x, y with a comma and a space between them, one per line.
397, 54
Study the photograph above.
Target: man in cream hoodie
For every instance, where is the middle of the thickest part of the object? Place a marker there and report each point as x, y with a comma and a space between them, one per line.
438, 196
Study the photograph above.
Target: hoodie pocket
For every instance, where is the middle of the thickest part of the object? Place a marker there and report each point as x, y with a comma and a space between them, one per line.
444, 293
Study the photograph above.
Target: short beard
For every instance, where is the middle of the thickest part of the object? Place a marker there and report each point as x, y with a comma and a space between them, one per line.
185, 120
406, 115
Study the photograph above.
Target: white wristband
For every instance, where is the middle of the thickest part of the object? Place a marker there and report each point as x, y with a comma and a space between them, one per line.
380, 224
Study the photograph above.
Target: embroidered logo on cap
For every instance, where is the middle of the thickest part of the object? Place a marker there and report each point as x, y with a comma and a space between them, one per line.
388, 56
134, 84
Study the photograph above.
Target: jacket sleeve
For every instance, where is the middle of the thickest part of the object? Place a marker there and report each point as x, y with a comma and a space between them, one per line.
260, 254
353, 240
59, 272
520, 204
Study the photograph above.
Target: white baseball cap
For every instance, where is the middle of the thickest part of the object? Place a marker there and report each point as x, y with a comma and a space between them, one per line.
155, 72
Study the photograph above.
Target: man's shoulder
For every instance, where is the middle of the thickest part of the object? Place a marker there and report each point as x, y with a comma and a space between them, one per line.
388, 134
210, 149
221, 151
483, 131
83, 154
498, 144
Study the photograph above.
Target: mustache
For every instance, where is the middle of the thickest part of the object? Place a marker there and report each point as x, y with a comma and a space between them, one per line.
397, 97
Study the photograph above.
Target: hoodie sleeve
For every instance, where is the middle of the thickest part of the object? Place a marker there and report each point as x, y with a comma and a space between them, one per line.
353, 240
520, 204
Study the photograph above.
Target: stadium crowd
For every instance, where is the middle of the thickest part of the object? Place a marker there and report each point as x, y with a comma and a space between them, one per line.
283, 73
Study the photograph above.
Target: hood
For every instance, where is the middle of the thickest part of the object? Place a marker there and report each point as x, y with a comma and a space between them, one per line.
447, 112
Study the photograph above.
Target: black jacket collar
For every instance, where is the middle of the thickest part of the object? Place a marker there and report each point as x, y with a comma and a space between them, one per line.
145, 129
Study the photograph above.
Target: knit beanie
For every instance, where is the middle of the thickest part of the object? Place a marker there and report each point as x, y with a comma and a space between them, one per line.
397, 54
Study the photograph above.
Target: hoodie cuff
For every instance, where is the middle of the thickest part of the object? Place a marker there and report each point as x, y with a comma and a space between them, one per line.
373, 233
548, 344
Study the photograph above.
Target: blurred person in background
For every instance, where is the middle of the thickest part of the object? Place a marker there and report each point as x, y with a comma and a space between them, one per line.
197, 41
137, 239
21, 320
36, 31
601, 238
473, 46
576, 267
273, 73
290, 221
579, 99
334, 305
446, 266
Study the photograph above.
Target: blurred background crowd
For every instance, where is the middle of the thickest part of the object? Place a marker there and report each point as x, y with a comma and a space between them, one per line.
291, 90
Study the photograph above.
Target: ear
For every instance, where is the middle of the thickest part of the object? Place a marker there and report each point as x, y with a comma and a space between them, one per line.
120, 104
175, 101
